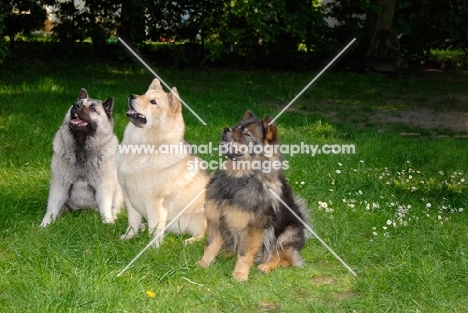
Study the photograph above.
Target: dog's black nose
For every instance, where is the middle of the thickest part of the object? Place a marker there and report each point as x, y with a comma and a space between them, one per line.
77, 105
132, 96
227, 130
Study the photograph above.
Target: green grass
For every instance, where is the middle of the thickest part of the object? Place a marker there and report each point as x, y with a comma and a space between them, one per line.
395, 211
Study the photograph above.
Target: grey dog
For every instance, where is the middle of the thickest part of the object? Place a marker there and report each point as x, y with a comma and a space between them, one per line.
84, 170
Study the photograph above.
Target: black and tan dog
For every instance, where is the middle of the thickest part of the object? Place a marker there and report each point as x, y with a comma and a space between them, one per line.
244, 215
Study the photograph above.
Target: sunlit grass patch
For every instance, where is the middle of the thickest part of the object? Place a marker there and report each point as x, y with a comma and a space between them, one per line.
457, 57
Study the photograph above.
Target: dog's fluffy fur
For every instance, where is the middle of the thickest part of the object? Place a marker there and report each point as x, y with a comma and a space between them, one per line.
243, 215
159, 186
84, 171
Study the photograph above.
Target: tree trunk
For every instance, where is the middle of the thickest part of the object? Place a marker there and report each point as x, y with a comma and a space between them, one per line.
124, 30
380, 45
132, 22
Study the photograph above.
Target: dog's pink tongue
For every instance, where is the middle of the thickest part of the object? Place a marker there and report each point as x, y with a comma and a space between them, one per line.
78, 122
131, 111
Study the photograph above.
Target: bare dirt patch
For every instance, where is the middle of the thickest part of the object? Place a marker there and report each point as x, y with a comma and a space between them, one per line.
323, 280
419, 112
428, 119
434, 120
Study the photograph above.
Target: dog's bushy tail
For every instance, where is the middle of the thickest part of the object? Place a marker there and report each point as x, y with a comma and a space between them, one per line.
302, 208
305, 215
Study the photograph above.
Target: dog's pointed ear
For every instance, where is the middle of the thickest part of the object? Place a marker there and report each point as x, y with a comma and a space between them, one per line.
174, 100
83, 94
109, 107
271, 134
248, 114
155, 85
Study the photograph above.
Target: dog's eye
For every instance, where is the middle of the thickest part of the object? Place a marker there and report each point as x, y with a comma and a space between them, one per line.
247, 134
153, 101
93, 109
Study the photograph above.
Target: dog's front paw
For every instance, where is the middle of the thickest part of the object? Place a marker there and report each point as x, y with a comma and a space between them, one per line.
240, 276
266, 268
156, 243
46, 221
129, 234
204, 262
157, 240
189, 241
192, 240
108, 220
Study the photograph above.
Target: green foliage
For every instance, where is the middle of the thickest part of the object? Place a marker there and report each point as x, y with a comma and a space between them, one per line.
71, 25
132, 26
230, 33
421, 25
266, 32
448, 59
167, 20
102, 20
431, 24
347, 18
95, 20
3, 46
22, 17
276, 34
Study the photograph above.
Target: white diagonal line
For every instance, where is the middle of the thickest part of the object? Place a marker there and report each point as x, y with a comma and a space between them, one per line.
313, 233
160, 233
313, 80
161, 80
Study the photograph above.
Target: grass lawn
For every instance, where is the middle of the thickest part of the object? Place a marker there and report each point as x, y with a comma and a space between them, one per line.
395, 210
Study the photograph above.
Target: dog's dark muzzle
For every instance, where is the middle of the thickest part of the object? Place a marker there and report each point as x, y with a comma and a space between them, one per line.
227, 132
228, 146
78, 114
